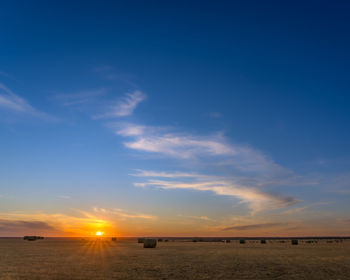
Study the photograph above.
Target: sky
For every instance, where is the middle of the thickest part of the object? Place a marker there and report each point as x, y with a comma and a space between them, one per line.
174, 118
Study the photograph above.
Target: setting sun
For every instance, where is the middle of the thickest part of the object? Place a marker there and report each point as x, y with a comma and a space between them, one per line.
99, 233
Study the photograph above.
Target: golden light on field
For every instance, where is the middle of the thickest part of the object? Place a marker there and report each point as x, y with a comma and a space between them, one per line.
99, 233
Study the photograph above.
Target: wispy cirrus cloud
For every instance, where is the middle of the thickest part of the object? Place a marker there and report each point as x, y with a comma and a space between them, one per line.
14, 103
165, 141
122, 214
80, 98
150, 173
110, 73
253, 226
256, 199
178, 145
200, 218
252, 173
302, 209
124, 106
130, 130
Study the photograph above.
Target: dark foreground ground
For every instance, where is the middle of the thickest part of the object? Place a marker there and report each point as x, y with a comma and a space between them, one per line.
104, 259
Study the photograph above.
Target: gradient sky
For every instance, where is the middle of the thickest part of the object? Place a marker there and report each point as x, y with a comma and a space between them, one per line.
176, 118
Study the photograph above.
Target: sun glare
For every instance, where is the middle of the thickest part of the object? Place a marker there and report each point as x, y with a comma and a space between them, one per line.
99, 233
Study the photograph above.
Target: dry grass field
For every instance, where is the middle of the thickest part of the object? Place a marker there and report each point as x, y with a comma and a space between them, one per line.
104, 259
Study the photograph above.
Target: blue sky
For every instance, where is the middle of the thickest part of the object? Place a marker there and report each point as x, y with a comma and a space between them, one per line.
186, 118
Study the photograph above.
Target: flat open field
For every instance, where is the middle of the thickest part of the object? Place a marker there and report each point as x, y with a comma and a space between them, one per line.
104, 259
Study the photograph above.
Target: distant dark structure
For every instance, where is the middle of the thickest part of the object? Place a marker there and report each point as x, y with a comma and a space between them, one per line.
114, 238
140, 240
32, 237
263, 241
160, 240
241, 241
228, 241
295, 242
149, 243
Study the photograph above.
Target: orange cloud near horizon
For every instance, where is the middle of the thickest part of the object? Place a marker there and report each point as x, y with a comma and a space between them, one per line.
118, 222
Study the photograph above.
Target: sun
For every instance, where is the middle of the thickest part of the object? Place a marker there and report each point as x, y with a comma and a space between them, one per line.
99, 233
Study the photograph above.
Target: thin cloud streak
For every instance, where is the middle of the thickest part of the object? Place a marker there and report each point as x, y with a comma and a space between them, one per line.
80, 98
17, 104
149, 173
121, 213
302, 209
253, 226
124, 106
252, 171
109, 72
13, 102
180, 146
256, 199
158, 140
130, 130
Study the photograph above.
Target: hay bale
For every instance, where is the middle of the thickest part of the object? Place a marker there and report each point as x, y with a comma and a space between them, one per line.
140, 240
241, 241
114, 238
263, 241
160, 240
294, 241
30, 238
228, 241
166, 240
149, 243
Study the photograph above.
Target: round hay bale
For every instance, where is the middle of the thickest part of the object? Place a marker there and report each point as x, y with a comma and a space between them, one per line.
114, 238
228, 241
149, 243
263, 241
140, 240
294, 241
31, 238
160, 240
241, 241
